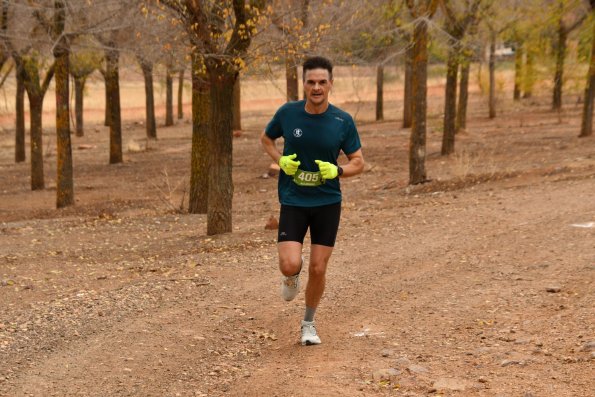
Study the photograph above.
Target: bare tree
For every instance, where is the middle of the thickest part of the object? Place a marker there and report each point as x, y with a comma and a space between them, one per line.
175, 57
169, 95
60, 22
64, 171
19, 152
306, 27
82, 64
237, 109
407, 89
497, 20
398, 15
23, 27
493, 35
518, 68
201, 119
4, 52
36, 90
377, 37
568, 19
157, 43
467, 56
421, 11
117, 30
379, 92
457, 25
461, 123
107, 116
529, 72
146, 66
181, 93
290, 17
587, 120
518, 35
112, 85
221, 33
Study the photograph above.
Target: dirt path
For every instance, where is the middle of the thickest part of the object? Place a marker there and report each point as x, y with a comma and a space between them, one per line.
482, 301
437, 290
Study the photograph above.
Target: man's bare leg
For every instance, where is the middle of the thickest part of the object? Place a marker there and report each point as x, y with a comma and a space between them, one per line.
319, 257
290, 257
290, 264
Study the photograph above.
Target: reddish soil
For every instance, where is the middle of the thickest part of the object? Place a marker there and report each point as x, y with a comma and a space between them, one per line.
479, 283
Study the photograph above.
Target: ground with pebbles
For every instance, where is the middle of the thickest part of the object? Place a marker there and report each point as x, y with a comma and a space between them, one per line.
478, 283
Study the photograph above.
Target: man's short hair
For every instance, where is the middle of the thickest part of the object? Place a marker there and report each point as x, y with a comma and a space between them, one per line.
317, 63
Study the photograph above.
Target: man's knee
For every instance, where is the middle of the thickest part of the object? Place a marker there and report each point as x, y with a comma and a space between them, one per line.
290, 266
317, 270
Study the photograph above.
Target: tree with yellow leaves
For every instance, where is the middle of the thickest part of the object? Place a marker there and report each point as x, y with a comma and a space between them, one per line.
220, 33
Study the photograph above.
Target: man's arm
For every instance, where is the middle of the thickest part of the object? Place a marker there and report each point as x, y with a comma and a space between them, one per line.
269, 146
355, 164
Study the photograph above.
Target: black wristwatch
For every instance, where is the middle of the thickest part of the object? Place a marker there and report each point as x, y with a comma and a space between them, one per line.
339, 171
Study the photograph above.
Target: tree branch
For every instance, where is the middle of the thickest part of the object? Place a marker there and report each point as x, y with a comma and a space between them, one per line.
45, 24
448, 12
576, 23
6, 75
48, 78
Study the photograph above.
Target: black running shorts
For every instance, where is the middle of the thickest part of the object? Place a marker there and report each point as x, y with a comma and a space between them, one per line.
323, 222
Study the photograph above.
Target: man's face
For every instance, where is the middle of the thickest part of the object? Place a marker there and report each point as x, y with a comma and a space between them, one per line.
317, 85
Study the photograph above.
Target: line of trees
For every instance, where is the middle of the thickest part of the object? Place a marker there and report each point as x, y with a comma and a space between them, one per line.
461, 32
70, 39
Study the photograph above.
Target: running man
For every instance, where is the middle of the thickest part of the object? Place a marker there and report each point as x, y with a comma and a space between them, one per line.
314, 133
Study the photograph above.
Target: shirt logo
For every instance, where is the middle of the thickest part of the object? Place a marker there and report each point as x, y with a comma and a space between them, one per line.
297, 133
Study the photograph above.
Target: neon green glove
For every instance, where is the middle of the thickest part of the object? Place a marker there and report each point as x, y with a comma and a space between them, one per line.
288, 165
327, 170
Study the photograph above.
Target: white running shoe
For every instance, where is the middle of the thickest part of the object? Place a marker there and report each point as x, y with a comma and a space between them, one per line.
290, 285
309, 335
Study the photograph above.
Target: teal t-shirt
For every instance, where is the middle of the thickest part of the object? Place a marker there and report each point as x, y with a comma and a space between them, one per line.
312, 137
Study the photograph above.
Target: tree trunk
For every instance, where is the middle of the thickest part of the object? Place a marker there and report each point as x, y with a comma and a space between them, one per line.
147, 69
587, 121
237, 102
36, 93
201, 107
407, 94
560, 57
479, 74
169, 97
450, 103
19, 153
79, 90
492, 67
417, 146
64, 171
291, 76
112, 58
463, 96
518, 71
220, 148
529, 74
181, 95
379, 93
36, 127
107, 117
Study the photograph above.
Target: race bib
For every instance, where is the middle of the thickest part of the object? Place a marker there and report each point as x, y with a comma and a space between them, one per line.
307, 178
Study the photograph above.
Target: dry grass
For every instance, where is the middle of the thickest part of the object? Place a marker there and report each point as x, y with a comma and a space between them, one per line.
169, 193
467, 163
